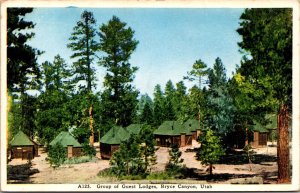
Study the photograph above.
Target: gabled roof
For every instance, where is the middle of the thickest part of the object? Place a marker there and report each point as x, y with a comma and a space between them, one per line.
66, 139
134, 128
21, 139
115, 135
192, 124
172, 128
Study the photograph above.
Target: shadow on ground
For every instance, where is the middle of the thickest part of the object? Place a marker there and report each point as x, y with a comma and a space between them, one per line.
233, 157
199, 174
19, 174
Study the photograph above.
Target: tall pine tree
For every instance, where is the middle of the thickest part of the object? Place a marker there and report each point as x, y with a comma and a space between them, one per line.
198, 72
22, 69
119, 98
84, 46
267, 37
52, 117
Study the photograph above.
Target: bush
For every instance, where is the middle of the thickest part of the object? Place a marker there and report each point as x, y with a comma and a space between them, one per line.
77, 160
174, 165
210, 150
127, 160
160, 176
88, 150
57, 155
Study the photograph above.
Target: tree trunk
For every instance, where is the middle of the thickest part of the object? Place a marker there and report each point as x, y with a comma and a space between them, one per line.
210, 169
91, 126
283, 145
247, 138
99, 143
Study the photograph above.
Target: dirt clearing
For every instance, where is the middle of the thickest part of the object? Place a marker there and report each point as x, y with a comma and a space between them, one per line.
264, 165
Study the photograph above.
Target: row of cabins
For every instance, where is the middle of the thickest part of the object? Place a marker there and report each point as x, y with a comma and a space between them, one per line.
168, 133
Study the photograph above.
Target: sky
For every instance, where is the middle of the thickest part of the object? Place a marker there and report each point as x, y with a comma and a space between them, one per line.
170, 39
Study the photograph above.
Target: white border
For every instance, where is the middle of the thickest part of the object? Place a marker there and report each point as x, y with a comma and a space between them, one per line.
156, 4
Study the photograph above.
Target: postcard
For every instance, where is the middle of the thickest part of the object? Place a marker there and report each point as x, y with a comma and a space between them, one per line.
150, 95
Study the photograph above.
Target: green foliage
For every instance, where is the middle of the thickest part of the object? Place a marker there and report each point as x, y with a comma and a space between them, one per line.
164, 175
210, 149
180, 101
221, 111
119, 98
174, 164
57, 155
148, 143
147, 116
217, 75
198, 72
84, 46
268, 31
23, 73
267, 38
158, 109
127, 160
135, 155
169, 111
52, 115
89, 150
22, 68
78, 160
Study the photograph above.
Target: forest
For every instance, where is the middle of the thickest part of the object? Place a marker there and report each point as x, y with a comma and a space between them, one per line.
67, 101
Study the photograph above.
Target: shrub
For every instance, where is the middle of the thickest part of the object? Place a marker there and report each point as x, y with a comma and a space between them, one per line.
77, 160
127, 160
57, 155
165, 175
210, 150
174, 164
88, 150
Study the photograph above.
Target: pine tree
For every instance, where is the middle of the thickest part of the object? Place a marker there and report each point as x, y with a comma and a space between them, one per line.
181, 102
52, 116
174, 164
267, 37
221, 108
169, 102
158, 106
210, 150
119, 98
147, 142
82, 42
127, 160
22, 69
198, 72
147, 114
21, 58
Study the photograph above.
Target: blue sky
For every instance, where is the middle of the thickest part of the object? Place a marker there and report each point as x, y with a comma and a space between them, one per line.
170, 40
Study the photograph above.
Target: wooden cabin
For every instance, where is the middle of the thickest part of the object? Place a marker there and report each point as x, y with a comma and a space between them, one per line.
73, 147
111, 141
21, 146
173, 132
194, 127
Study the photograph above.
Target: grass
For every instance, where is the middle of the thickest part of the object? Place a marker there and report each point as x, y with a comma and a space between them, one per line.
82, 159
163, 175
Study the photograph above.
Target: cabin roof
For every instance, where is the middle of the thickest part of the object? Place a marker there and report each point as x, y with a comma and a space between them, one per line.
172, 128
115, 135
192, 124
21, 139
66, 139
